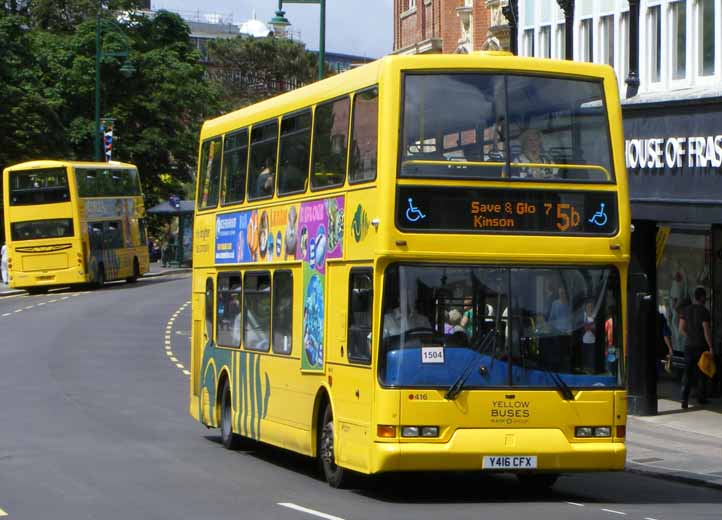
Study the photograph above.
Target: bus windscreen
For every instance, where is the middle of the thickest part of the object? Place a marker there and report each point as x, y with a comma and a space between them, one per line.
37, 229
487, 126
42, 186
107, 182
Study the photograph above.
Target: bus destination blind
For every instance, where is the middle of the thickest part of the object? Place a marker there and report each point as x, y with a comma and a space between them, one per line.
493, 210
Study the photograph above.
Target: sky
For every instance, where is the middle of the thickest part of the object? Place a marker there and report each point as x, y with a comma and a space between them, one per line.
360, 27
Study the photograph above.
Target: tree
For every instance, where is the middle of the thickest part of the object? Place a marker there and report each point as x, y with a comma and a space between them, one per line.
47, 93
248, 70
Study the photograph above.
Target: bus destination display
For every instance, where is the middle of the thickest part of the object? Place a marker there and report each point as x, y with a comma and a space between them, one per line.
472, 210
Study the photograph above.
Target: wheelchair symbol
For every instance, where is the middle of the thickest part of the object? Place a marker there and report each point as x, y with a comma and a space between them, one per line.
413, 214
600, 217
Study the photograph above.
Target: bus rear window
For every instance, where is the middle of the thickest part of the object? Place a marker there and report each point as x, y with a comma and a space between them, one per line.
46, 186
486, 126
37, 229
107, 182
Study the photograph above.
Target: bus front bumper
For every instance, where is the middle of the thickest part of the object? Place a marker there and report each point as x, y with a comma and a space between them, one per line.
56, 277
466, 449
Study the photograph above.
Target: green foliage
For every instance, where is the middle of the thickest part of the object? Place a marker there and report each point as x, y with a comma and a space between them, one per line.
248, 70
47, 94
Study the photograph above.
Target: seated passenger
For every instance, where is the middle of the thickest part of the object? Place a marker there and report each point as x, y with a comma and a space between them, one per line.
264, 182
532, 151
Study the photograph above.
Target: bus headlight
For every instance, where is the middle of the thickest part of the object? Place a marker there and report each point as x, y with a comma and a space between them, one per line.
420, 431
593, 431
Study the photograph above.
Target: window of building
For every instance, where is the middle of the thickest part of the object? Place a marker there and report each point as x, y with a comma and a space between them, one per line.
228, 310
257, 311
545, 41
330, 143
561, 41
209, 176
282, 312
364, 136
606, 37
654, 39
586, 40
262, 168
623, 62
707, 33
528, 42
360, 307
678, 26
294, 154
235, 161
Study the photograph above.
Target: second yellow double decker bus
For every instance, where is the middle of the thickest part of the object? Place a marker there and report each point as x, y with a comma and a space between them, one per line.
419, 264
72, 222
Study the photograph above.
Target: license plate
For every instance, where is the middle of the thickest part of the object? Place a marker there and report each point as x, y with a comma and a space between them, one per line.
44, 278
509, 462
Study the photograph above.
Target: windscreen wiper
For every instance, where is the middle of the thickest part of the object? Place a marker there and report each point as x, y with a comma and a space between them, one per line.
480, 346
563, 388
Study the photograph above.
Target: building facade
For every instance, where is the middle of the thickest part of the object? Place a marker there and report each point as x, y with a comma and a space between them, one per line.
448, 26
667, 55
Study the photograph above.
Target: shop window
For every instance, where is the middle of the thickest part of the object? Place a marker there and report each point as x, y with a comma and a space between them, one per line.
209, 174
282, 312
294, 155
235, 161
364, 136
360, 306
262, 163
257, 311
330, 143
228, 310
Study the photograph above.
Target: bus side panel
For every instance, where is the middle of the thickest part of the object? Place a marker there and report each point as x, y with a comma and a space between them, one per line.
352, 383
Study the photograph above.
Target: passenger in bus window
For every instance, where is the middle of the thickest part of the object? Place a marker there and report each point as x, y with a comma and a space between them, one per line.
532, 152
264, 183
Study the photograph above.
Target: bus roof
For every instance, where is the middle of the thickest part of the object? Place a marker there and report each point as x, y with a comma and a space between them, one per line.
368, 75
52, 163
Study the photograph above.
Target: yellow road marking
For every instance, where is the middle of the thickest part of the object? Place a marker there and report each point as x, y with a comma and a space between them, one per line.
179, 365
174, 359
186, 372
3, 513
169, 353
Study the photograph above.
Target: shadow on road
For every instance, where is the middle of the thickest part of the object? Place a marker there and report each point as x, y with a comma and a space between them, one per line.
477, 487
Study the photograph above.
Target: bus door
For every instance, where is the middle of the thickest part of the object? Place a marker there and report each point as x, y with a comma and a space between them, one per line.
350, 304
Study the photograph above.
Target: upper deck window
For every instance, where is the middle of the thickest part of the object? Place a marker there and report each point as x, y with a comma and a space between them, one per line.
107, 182
486, 126
209, 176
262, 168
45, 186
294, 154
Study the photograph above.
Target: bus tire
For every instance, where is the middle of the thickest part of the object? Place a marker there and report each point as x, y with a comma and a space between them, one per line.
336, 476
537, 481
230, 440
136, 272
100, 277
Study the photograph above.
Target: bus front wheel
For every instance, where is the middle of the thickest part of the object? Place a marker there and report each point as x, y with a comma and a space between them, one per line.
231, 441
336, 476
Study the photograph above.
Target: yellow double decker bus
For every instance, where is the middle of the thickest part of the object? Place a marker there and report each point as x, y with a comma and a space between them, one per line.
73, 223
419, 264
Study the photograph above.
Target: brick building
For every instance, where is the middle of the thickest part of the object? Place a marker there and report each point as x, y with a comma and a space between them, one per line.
448, 26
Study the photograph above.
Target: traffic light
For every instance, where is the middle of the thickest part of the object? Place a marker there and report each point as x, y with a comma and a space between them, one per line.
108, 142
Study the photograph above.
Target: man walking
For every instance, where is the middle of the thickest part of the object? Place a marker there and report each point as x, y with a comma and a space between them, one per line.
694, 326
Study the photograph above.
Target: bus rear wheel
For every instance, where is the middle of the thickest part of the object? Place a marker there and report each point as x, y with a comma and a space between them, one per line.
336, 476
100, 277
136, 272
231, 441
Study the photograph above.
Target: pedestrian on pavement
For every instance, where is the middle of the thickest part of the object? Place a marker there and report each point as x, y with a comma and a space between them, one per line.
4, 263
694, 326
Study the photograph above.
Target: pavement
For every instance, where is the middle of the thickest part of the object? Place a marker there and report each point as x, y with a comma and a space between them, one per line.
677, 444
156, 269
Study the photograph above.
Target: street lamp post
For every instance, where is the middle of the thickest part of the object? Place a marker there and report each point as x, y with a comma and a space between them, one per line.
281, 22
126, 70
